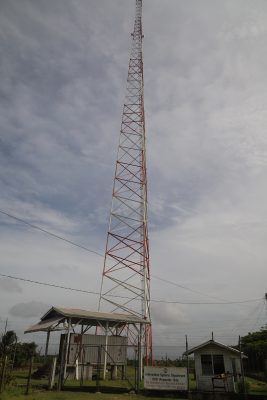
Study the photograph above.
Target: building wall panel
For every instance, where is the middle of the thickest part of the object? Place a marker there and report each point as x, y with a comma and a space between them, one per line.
88, 348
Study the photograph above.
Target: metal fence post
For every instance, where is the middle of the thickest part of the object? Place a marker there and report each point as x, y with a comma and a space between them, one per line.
135, 369
242, 367
61, 368
187, 366
29, 377
139, 358
98, 368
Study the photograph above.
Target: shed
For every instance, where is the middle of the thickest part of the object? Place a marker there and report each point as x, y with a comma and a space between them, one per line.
77, 322
218, 366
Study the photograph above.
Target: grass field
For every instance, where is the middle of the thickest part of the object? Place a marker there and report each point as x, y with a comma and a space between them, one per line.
18, 395
15, 390
257, 387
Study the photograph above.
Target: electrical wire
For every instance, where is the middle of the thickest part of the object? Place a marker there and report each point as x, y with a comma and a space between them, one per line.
186, 288
206, 303
48, 284
50, 233
96, 253
243, 322
261, 308
101, 255
124, 297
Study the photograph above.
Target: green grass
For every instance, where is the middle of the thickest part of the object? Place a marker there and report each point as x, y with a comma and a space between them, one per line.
20, 377
17, 387
192, 382
19, 395
256, 387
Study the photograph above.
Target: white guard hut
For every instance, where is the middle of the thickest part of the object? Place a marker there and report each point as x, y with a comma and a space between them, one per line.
217, 366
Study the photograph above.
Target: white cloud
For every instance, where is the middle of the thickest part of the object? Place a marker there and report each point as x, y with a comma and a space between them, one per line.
9, 286
29, 310
64, 66
166, 315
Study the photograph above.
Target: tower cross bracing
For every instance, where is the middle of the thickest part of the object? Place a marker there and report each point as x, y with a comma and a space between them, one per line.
125, 285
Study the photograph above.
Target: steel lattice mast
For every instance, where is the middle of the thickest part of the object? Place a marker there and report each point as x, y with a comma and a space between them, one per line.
126, 279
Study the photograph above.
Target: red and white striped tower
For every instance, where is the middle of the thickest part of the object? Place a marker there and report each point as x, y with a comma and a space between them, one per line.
125, 283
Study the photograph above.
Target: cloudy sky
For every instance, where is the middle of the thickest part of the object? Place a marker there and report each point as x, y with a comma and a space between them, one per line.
63, 74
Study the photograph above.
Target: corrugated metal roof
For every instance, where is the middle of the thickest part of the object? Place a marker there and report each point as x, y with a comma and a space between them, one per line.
93, 315
57, 314
223, 346
44, 326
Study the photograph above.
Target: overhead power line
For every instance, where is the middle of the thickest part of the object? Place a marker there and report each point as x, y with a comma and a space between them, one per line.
186, 288
48, 284
153, 300
50, 233
21, 220
206, 303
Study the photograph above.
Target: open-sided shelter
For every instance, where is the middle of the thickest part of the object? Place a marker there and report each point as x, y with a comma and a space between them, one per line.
80, 348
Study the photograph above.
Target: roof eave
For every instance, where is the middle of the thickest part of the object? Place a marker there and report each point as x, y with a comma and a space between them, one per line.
223, 346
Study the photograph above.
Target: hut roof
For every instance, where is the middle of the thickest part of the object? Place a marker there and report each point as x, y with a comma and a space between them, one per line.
53, 317
211, 342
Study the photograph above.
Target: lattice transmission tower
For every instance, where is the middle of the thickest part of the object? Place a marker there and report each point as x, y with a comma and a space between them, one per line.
125, 283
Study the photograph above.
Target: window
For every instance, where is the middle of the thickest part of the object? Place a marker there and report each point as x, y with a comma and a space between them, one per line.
212, 364
206, 362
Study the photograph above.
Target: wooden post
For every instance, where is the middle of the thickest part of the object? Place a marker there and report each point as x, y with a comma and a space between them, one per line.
52, 374
3, 373
61, 368
29, 377
82, 357
187, 364
14, 354
82, 365
67, 350
106, 351
124, 371
47, 344
99, 353
135, 368
241, 366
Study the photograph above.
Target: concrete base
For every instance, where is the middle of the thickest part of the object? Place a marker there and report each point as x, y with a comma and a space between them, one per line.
77, 371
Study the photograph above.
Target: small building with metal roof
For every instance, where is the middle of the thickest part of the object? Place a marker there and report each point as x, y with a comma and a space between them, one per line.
76, 323
218, 367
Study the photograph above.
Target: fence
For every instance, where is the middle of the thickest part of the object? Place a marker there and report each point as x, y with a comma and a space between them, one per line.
8, 375
75, 372
99, 367
79, 373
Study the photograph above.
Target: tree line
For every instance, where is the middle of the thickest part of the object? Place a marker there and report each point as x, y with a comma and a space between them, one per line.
18, 353
254, 346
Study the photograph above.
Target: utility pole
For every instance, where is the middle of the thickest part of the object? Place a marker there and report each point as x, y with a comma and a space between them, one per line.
125, 285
